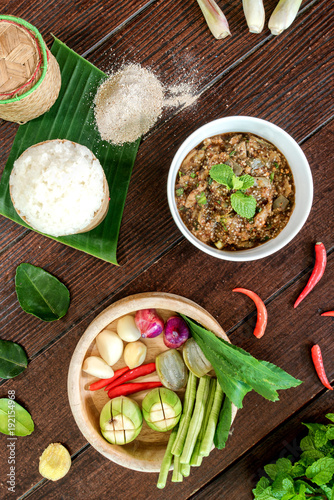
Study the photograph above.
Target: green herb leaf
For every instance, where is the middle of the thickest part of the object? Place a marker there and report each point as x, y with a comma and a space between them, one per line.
321, 471
247, 181
238, 371
232, 153
179, 192
224, 424
13, 359
271, 177
193, 175
14, 419
41, 294
237, 183
223, 174
201, 198
243, 204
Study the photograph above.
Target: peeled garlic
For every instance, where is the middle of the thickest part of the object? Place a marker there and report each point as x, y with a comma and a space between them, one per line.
55, 462
110, 346
127, 329
97, 367
135, 354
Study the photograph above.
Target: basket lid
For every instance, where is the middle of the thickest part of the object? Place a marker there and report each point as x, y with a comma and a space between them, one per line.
20, 59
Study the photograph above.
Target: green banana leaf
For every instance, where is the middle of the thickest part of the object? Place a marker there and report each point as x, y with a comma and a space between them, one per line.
72, 118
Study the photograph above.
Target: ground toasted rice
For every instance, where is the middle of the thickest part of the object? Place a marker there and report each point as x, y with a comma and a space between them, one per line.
57, 187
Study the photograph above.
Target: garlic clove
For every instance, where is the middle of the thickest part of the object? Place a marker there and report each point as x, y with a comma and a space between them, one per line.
110, 346
135, 354
127, 329
93, 365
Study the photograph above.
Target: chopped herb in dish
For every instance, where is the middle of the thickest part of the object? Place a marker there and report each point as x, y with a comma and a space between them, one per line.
235, 191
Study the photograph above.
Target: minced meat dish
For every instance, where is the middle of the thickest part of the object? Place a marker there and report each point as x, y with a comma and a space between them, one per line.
205, 205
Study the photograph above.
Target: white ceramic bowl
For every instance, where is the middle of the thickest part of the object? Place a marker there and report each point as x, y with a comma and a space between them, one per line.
296, 160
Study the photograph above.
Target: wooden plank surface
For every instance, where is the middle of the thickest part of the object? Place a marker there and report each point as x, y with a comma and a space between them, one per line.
287, 80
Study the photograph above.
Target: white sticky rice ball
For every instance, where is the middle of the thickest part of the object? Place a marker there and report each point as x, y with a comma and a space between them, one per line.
59, 187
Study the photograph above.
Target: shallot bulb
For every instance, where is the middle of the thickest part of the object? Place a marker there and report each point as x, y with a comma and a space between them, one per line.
176, 332
149, 323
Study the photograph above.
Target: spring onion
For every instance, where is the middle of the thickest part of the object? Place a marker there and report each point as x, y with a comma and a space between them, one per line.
215, 18
254, 14
283, 15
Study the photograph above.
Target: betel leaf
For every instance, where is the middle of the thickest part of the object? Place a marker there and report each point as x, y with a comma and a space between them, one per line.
243, 204
14, 419
223, 174
41, 294
13, 359
235, 365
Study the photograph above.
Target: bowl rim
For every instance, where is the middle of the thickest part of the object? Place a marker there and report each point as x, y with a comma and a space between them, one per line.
273, 245
158, 300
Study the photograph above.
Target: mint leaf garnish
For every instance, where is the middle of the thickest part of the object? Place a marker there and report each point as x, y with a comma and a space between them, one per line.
237, 183
243, 204
223, 174
247, 181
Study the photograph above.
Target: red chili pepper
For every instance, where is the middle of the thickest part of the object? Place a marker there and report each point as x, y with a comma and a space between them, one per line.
319, 366
318, 271
99, 384
328, 313
262, 315
125, 389
132, 374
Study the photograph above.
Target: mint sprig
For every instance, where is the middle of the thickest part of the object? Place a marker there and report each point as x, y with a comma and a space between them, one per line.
242, 204
311, 476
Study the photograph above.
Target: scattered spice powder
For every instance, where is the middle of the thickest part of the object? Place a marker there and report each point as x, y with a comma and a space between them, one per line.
130, 102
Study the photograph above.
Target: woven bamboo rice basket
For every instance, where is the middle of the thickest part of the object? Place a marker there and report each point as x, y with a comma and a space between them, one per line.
29, 74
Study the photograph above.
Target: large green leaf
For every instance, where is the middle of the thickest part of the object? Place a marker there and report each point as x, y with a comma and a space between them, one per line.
13, 359
72, 118
14, 419
40, 293
234, 364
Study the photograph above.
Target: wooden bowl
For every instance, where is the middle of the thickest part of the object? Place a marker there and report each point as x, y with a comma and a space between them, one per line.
146, 452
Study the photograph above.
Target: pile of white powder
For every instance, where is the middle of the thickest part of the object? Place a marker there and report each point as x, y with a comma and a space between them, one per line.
130, 102
57, 187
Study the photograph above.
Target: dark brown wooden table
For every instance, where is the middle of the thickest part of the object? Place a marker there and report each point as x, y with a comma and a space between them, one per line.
286, 79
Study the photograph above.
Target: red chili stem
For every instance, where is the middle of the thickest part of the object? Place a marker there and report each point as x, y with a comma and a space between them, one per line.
319, 366
140, 371
318, 271
262, 314
328, 313
125, 389
99, 384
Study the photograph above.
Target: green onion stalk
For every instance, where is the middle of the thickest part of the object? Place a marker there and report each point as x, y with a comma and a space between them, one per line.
283, 15
215, 18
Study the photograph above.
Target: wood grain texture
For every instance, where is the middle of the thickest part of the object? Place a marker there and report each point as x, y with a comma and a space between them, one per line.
287, 80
